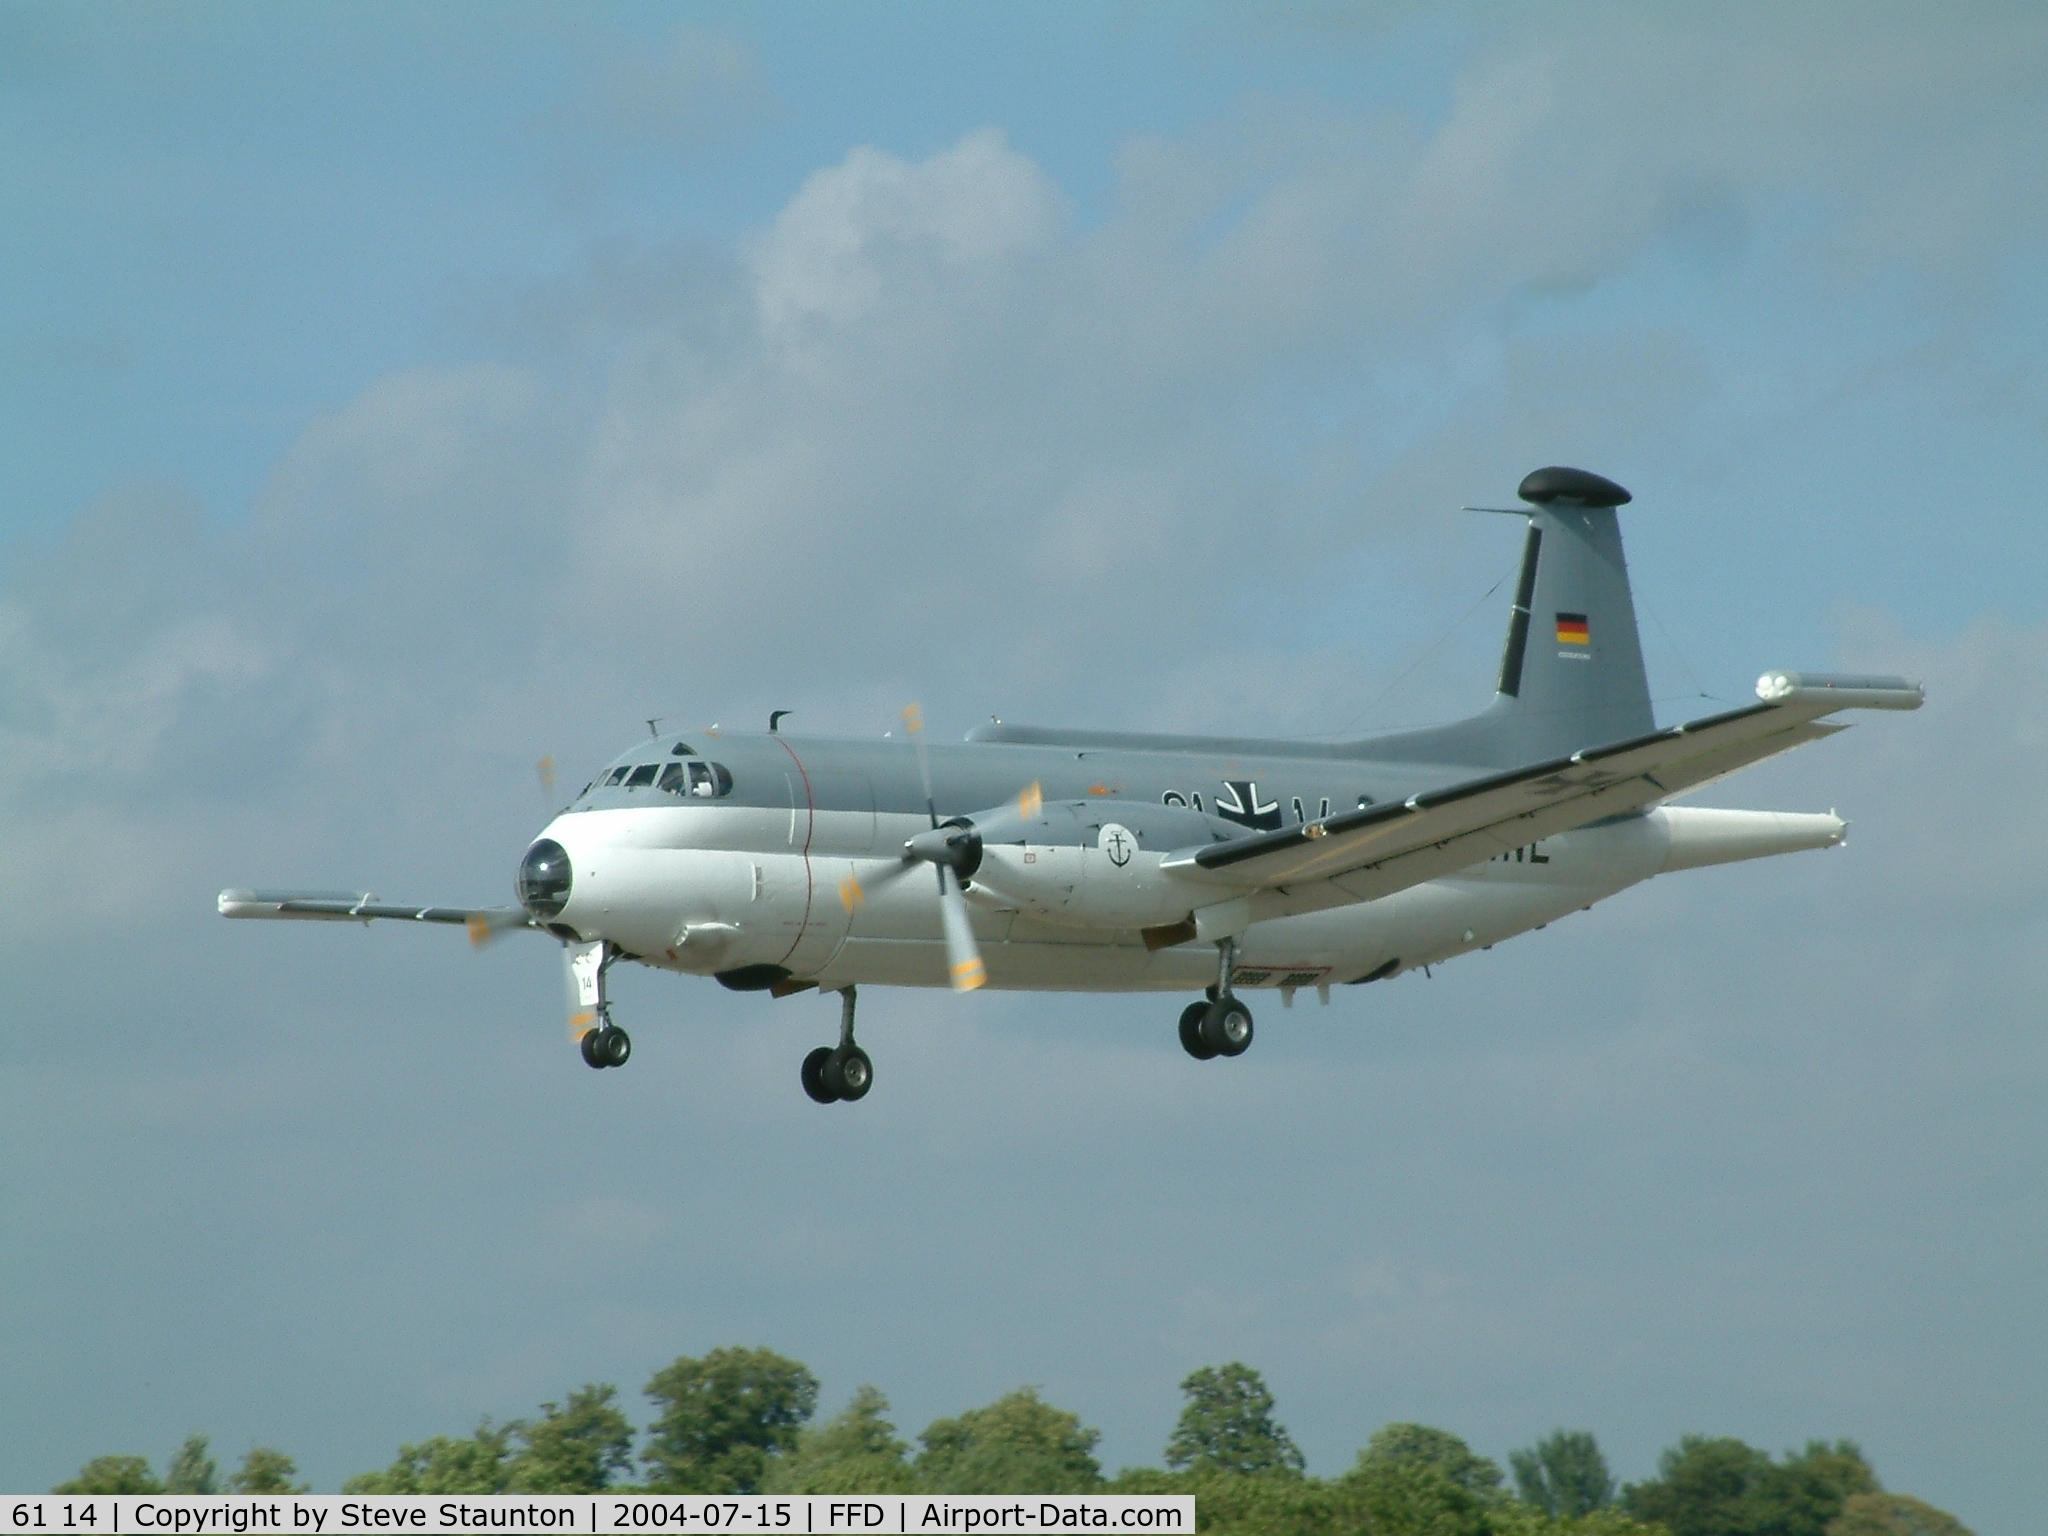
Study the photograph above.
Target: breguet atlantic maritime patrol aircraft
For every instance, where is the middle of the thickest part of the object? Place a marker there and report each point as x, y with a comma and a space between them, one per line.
1108, 861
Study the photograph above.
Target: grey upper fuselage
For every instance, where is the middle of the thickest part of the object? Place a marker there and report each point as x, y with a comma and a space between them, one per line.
1221, 787
1571, 677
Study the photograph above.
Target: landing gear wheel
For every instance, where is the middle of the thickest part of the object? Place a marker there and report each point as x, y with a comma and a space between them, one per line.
814, 1076
849, 1072
588, 1045
1227, 1027
614, 1045
1191, 1039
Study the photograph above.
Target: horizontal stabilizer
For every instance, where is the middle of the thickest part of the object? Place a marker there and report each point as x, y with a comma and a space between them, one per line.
1384, 848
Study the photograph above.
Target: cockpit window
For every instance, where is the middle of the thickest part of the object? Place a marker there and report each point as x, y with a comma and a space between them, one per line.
700, 781
682, 749
644, 774
617, 775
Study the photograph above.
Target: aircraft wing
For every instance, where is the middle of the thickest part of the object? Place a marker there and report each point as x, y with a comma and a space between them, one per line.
1384, 848
362, 907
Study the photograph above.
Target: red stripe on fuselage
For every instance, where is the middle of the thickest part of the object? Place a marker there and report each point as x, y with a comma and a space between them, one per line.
811, 820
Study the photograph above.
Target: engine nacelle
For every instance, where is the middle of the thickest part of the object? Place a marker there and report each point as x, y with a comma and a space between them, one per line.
1092, 863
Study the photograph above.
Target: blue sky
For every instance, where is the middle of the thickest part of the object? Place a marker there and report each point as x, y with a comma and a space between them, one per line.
392, 396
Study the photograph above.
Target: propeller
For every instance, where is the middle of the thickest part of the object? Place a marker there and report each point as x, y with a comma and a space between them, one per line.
485, 926
952, 855
953, 850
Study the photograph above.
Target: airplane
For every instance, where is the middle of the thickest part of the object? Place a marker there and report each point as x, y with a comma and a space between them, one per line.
1112, 861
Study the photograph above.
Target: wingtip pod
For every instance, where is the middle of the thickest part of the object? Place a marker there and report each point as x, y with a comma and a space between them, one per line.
1840, 690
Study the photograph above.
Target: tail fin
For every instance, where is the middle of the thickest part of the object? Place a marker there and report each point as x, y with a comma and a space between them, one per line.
1571, 673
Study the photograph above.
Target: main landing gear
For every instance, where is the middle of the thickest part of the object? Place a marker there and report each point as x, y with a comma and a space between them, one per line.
607, 1045
1221, 1026
832, 1073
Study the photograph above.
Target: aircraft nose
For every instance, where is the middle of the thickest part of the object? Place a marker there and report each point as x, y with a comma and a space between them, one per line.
544, 879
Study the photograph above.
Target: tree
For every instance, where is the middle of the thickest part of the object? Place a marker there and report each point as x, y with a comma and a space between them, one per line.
725, 1419
266, 1470
113, 1474
576, 1449
1017, 1444
1227, 1426
1893, 1514
1802, 1495
855, 1452
442, 1465
191, 1469
1723, 1487
1564, 1474
1437, 1449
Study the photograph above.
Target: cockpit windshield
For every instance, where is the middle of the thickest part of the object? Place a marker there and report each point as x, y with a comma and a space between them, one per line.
694, 779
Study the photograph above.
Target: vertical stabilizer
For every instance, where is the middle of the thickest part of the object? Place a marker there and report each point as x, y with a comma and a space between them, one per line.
1571, 673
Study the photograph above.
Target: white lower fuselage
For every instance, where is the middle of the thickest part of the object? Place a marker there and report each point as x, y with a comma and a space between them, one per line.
715, 889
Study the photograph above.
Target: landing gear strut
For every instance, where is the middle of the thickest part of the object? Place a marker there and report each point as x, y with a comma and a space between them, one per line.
605, 1045
832, 1073
1222, 1027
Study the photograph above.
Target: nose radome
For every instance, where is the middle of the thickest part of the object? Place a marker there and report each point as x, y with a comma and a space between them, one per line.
544, 879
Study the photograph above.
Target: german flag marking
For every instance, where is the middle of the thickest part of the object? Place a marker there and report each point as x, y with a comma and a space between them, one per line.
1572, 630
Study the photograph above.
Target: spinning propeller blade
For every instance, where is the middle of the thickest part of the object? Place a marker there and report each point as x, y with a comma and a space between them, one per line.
483, 927
853, 890
963, 958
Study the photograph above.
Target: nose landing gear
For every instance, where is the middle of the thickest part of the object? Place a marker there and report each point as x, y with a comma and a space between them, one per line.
833, 1073
1222, 1027
607, 1045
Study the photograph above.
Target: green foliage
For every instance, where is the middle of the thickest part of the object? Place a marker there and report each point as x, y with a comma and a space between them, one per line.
266, 1470
1227, 1426
737, 1421
855, 1452
1437, 1449
725, 1419
1893, 1514
113, 1474
442, 1465
1563, 1474
191, 1469
1017, 1444
575, 1449
1726, 1488
1514, 1518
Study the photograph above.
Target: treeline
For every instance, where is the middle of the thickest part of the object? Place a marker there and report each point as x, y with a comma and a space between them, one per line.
741, 1421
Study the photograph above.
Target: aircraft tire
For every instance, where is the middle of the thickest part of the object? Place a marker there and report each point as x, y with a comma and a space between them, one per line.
849, 1073
814, 1076
1227, 1027
614, 1045
588, 1045
1191, 1039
